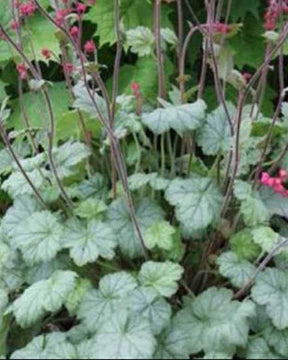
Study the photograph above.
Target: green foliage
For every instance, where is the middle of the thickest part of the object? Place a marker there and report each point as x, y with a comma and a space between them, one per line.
149, 228
180, 118
271, 290
43, 296
119, 219
237, 270
197, 199
161, 277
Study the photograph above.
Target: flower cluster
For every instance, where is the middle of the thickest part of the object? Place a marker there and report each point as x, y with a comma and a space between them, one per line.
90, 47
222, 28
273, 13
22, 71
277, 182
60, 16
46, 53
136, 90
27, 8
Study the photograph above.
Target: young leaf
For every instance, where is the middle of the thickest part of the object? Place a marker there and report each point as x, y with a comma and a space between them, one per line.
40, 239
271, 290
43, 296
180, 118
141, 40
99, 305
87, 243
243, 245
214, 137
147, 213
161, 277
124, 337
147, 304
91, 208
197, 202
238, 270
75, 297
160, 234
265, 237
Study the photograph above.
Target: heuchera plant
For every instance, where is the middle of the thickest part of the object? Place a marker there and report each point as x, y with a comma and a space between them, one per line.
144, 179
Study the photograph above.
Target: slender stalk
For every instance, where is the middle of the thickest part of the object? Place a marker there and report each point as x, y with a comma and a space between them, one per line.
201, 85
163, 155
236, 151
159, 51
118, 56
116, 83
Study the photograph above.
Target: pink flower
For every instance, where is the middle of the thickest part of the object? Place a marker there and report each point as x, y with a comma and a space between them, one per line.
14, 25
272, 15
283, 174
271, 182
46, 53
28, 8
222, 28
81, 8
247, 76
276, 183
69, 68
90, 47
265, 177
136, 90
91, 2
60, 16
22, 71
74, 31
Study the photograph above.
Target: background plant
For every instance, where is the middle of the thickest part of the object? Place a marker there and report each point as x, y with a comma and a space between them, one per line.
143, 168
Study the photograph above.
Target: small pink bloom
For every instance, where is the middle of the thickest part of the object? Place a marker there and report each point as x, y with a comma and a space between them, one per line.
27, 9
60, 16
271, 182
2, 36
277, 181
74, 31
265, 177
283, 174
279, 189
90, 47
69, 68
247, 76
22, 71
81, 8
46, 53
222, 28
136, 89
14, 25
